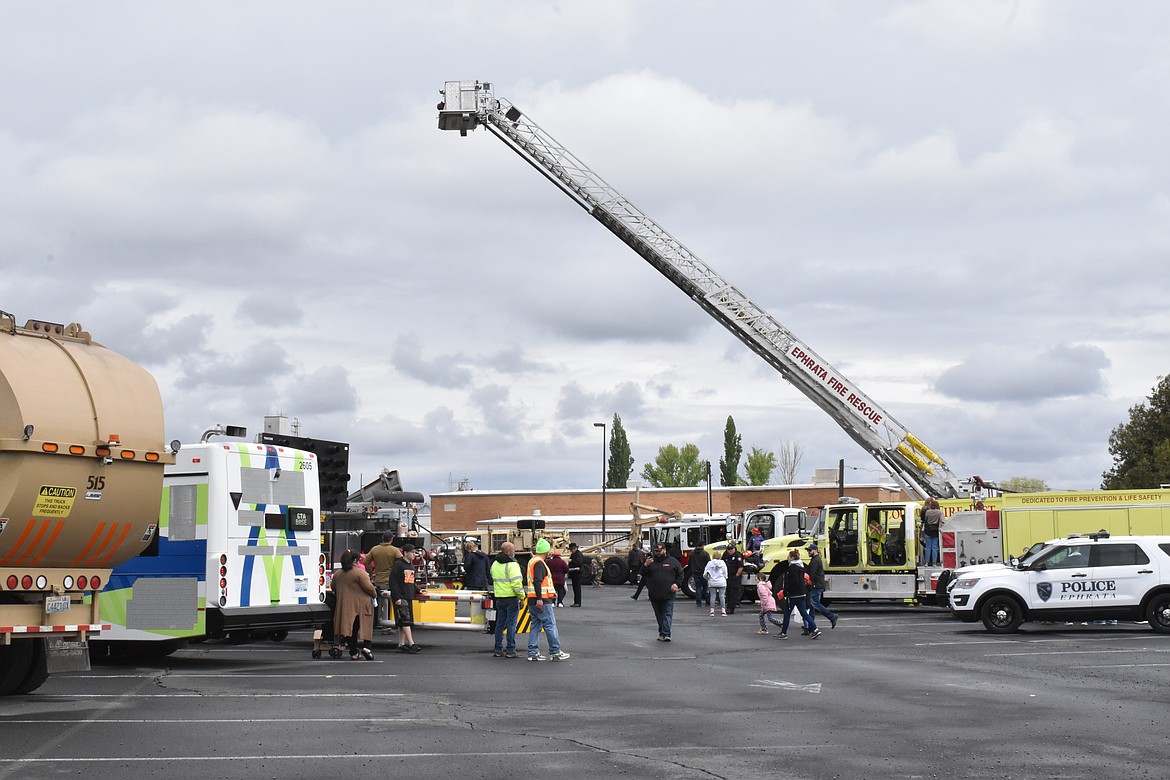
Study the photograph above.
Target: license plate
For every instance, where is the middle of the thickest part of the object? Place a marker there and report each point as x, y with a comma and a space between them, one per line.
56, 604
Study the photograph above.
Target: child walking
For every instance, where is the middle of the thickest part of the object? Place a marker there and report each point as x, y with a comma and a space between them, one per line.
767, 605
716, 576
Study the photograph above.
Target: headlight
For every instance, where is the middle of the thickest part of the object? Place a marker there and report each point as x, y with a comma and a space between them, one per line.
966, 583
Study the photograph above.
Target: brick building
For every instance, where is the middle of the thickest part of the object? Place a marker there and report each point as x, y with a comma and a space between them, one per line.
463, 510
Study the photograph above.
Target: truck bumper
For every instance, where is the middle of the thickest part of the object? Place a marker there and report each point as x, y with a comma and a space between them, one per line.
268, 618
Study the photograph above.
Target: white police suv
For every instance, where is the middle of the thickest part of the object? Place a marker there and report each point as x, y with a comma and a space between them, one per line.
1089, 577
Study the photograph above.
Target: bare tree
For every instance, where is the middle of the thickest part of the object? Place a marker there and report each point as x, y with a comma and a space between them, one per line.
788, 459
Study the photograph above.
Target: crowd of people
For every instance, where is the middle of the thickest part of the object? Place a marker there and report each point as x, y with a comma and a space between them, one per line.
716, 583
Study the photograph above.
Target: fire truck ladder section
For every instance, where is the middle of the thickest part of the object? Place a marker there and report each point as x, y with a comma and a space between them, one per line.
470, 104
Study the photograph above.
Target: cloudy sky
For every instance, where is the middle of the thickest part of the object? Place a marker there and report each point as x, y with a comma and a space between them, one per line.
964, 207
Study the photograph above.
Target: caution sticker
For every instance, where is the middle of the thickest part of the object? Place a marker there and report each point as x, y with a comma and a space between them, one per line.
54, 501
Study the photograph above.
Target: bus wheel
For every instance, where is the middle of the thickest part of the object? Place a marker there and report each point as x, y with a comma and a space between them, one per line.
615, 571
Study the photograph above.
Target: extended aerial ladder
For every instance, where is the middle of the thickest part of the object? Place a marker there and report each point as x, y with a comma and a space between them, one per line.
470, 104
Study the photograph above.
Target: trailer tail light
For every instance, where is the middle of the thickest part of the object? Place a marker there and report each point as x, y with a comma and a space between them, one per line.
95, 583
49, 447
83, 582
76, 449
126, 454
26, 581
12, 582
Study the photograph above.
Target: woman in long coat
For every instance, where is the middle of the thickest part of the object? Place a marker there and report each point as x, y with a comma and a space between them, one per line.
353, 617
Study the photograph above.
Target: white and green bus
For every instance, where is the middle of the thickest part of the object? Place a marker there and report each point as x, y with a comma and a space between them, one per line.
236, 552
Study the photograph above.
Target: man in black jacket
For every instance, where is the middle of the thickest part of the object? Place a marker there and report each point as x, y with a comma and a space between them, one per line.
634, 562
661, 577
696, 564
734, 560
816, 590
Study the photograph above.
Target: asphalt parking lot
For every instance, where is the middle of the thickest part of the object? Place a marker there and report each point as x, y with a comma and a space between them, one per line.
891, 692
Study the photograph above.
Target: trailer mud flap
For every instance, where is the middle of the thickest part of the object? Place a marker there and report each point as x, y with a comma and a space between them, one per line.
67, 655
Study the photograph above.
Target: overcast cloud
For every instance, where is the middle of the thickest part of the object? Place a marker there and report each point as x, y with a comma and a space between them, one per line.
964, 207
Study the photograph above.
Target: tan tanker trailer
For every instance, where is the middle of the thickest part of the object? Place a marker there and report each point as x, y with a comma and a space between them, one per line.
81, 470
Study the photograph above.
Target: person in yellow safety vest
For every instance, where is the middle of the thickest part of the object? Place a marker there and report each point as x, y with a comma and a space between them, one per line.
507, 590
542, 597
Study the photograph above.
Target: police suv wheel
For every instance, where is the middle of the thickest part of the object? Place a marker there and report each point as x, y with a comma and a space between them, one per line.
1002, 615
1158, 613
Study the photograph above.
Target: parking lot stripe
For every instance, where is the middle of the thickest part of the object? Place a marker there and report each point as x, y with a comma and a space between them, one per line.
1084, 652
291, 757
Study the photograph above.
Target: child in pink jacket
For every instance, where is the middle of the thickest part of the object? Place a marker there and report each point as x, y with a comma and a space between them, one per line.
767, 605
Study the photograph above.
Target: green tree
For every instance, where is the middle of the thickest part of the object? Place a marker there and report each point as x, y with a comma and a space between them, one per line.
675, 467
1141, 447
1022, 485
621, 462
759, 467
732, 451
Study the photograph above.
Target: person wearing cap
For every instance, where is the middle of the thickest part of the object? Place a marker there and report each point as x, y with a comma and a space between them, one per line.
541, 599
733, 558
507, 590
402, 592
816, 575
755, 540
662, 576
578, 564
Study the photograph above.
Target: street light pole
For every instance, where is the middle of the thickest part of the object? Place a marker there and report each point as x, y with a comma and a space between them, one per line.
604, 441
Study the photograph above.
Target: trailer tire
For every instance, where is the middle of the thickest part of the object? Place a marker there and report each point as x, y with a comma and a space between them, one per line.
19, 664
38, 670
615, 571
